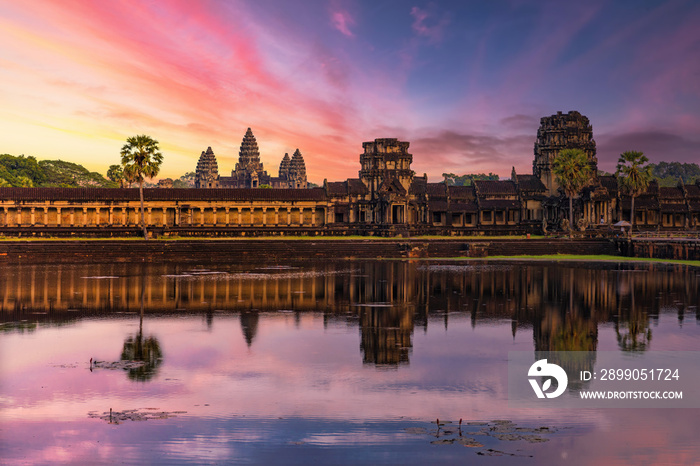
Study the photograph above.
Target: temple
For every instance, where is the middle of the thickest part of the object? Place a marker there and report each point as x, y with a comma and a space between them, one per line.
386, 199
249, 171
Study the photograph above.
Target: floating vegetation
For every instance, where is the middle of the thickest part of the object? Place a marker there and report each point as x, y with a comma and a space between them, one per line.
118, 365
502, 430
145, 414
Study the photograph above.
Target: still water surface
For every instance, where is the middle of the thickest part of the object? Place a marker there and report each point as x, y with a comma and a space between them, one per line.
328, 362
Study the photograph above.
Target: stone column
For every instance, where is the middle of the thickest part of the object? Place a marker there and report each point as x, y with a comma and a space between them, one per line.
240, 216
31, 216
148, 217
165, 217
228, 218
264, 215
111, 216
201, 216
313, 216
277, 215
46, 216
85, 219
216, 219
289, 216
72, 216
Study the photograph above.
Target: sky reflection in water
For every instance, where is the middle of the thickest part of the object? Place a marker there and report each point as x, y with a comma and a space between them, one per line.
328, 362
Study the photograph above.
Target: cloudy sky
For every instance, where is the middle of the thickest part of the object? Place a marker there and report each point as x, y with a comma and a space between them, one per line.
465, 82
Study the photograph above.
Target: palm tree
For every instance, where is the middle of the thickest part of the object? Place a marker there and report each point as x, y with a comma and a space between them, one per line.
573, 172
633, 175
141, 158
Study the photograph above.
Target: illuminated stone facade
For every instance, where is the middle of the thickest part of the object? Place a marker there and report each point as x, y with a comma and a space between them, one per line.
386, 199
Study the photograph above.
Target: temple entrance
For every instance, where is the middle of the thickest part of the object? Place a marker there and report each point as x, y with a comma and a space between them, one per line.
398, 214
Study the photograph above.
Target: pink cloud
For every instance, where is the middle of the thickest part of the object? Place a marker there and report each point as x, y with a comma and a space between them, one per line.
342, 21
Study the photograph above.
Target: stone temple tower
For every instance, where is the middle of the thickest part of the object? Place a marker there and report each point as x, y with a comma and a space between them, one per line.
297, 171
249, 172
207, 172
557, 132
284, 169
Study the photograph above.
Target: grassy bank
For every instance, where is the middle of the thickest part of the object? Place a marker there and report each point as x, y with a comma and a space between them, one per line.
581, 258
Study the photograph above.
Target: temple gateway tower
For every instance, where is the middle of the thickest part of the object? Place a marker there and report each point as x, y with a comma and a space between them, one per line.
386, 171
557, 132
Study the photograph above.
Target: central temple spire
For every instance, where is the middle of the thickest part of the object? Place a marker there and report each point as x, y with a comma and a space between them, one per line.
249, 155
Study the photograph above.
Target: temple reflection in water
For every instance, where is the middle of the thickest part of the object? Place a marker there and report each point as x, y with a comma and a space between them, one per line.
563, 304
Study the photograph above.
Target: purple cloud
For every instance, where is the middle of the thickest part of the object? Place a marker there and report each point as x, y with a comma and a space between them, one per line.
425, 24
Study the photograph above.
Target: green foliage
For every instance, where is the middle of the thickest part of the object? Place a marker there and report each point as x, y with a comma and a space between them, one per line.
466, 180
72, 175
670, 173
24, 171
17, 170
265, 186
185, 181
116, 174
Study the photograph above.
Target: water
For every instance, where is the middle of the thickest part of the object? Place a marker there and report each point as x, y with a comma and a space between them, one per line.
328, 362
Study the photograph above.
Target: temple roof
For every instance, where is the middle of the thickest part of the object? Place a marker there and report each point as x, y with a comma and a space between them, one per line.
530, 183
418, 186
357, 187
671, 193
495, 188
436, 189
157, 194
461, 192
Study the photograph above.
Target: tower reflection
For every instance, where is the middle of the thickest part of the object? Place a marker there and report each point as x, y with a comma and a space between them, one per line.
563, 304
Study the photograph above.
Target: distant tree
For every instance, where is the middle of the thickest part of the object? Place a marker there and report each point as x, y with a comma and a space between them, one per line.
24, 182
265, 186
185, 181
573, 172
467, 180
116, 174
141, 158
17, 170
633, 175
670, 173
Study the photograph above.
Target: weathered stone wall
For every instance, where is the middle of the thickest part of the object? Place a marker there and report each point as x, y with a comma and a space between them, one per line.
271, 250
680, 249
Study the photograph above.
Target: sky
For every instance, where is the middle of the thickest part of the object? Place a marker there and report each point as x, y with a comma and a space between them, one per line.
465, 82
